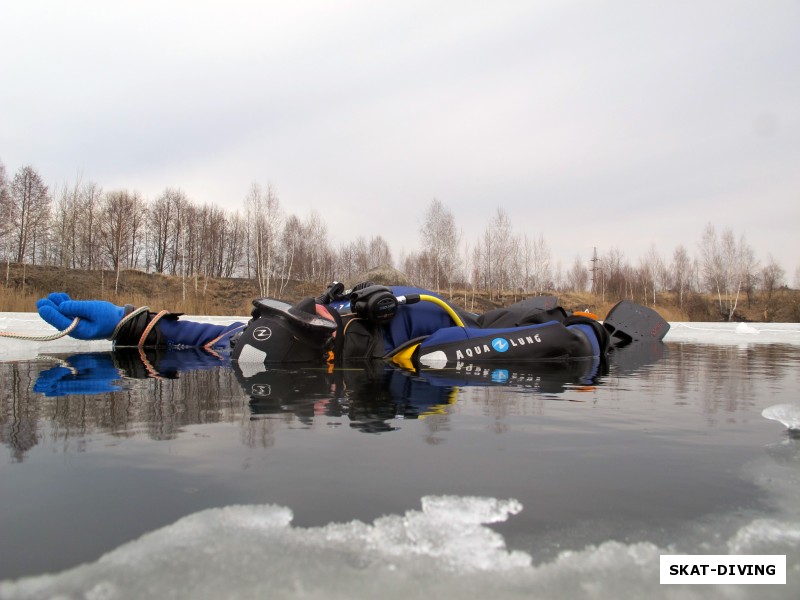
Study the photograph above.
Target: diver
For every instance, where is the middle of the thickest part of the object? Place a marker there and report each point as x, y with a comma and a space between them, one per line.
409, 326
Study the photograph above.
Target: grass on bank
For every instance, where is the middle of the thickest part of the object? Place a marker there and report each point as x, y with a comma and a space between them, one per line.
25, 284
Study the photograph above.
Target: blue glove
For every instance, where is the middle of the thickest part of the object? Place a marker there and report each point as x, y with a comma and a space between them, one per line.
98, 318
90, 374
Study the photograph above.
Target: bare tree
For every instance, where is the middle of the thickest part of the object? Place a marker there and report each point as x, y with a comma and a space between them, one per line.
162, 222
116, 227
681, 272
578, 276
466, 277
477, 258
318, 251
558, 276
234, 243
650, 270
502, 240
5, 219
484, 254
360, 254
772, 278
742, 265
291, 245
727, 264
379, 252
90, 206
263, 220
538, 264
614, 274
214, 240
65, 226
440, 241
180, 221
30, 211
515, 271
137, 230
712, 262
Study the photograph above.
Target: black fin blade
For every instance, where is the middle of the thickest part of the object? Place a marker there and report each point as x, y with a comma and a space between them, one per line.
631, 322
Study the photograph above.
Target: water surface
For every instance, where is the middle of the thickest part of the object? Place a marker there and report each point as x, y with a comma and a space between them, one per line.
666, 448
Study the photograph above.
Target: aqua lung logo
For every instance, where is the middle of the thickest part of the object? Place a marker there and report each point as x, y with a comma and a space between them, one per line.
483, 373
262, 333
498, 345
499, 376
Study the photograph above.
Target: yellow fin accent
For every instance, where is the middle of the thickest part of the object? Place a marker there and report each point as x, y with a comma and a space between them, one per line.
403, 358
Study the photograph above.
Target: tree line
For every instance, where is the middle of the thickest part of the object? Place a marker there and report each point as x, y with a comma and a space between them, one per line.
82, 226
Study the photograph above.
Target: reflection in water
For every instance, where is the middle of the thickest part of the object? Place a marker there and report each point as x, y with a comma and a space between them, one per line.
98, 391
728, 379
156, 393
371, 394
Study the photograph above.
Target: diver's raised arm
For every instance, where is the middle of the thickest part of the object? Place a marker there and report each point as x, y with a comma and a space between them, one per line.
125, 325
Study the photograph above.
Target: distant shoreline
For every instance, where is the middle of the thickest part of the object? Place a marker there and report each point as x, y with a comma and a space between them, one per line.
24, 284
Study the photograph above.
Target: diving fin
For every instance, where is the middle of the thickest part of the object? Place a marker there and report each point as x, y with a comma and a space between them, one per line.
630, 322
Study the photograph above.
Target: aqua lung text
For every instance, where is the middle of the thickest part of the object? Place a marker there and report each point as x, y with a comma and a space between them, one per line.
498, 345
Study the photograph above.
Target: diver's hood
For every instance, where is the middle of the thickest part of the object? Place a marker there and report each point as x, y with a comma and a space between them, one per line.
281, 333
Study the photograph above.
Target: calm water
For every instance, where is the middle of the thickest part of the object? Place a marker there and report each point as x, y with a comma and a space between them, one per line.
667, 446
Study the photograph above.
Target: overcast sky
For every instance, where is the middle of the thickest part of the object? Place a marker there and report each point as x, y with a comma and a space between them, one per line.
597, 124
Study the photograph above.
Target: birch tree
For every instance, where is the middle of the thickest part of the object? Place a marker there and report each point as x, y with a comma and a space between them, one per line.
291, 246
538, 264
613, 278
772, 278
66, 213
161, 224
726, 263
318, 250
116, 228
5, 219
503, 245
681, 272
263, 222
234, 243
578, 276
30, 211
650, 269
90, 201
440, 242
379, 252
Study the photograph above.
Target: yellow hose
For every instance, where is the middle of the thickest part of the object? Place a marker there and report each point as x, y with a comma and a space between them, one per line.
447, 308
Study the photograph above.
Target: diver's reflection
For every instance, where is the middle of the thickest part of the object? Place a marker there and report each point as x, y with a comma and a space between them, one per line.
371, 394
374, 395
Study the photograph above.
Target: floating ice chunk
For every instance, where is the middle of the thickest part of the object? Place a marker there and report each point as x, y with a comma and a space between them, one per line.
470, 509
449, 531
788, 414
445, 550
253, 551
745, 328
761, 536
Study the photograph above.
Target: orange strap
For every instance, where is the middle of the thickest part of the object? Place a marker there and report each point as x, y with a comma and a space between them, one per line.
149, 328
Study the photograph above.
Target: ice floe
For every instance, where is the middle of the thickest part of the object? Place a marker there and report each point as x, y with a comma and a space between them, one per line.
788, 414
